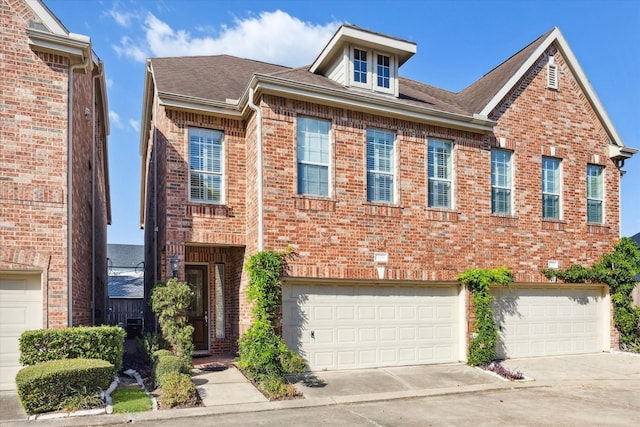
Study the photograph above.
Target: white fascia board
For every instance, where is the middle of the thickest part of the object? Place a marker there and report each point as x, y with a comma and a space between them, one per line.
181, 102
42, 41
504, 90
575, 67
617, 152
363, 103
583, 81
47, 18
402, 48
380, 41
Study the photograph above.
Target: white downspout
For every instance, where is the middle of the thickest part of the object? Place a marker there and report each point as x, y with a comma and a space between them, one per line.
255, 108
72, 68
93, 197
154, 157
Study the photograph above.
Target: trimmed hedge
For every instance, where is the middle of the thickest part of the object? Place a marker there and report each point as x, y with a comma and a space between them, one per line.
47, 386
85, 342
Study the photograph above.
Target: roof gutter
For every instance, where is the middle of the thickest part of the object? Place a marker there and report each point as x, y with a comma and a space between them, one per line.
361, 101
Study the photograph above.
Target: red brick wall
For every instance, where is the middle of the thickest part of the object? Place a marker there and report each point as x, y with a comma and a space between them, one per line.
33, 170
33, 188
336, 237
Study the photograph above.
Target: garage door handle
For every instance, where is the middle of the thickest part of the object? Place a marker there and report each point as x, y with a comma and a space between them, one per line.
313, 334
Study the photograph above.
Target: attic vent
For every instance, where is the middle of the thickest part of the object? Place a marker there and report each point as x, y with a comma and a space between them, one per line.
552, 74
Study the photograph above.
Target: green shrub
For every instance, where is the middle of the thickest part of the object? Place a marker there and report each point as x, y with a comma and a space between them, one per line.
151, 342
178, 390
170, 301
167, 364
276, 387
48, 386
99, 342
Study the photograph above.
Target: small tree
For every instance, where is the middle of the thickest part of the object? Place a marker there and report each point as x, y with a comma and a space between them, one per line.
482, 348
170, 301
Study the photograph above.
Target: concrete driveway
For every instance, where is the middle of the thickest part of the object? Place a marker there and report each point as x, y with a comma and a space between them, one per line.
415, 381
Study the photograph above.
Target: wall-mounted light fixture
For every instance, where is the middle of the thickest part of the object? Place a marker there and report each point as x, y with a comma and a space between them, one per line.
174, 265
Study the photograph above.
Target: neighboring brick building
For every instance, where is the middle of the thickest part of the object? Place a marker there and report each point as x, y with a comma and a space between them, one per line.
387, 189
54, 186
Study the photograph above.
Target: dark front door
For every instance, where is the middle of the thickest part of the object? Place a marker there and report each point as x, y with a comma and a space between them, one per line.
199, 310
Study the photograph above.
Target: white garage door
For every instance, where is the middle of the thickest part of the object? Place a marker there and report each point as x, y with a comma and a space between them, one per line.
345, 327
548, 321
20, 310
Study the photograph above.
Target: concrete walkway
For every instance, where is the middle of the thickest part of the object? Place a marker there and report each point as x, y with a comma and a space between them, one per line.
225, 387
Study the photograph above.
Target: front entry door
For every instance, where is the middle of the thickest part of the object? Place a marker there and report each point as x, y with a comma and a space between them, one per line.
199, 310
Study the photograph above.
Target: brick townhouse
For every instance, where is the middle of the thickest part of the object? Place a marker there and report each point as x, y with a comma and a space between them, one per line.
54, 186
386, 189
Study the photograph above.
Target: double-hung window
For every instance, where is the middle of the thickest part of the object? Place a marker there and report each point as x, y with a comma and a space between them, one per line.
551, 188
380, 166
313, 156
595, 193
501, 182
440, 174
206, 164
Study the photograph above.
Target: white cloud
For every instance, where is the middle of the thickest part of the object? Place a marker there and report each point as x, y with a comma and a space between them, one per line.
114, 118
122, 18
127, 49
135, 124
275, 37
109, 83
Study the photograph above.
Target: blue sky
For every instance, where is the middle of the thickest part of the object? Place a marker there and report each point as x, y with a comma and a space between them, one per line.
457, 41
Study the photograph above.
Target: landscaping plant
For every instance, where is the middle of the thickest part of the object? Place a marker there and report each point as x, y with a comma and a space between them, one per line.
170, 301
482, 348
617, 269
263, 356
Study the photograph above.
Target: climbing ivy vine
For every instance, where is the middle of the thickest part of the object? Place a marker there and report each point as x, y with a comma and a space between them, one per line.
262, 353
617, 269
482, 348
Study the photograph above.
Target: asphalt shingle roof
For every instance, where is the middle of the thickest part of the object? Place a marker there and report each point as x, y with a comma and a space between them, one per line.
222, 77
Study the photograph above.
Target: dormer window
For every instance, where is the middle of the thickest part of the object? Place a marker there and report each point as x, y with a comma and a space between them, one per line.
384, 71
373, 70
362, 59
360, 66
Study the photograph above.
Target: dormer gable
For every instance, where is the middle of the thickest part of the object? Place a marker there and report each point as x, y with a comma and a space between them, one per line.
358, 58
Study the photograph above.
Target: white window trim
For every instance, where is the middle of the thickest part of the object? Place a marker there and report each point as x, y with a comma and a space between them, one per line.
453, 173
560, 188
372, 71
392, 73
512, 178
394, 173
602, 200
352, 68
329, 165
223, 168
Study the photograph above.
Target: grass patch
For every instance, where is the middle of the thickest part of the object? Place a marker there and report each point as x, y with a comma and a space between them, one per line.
130, 399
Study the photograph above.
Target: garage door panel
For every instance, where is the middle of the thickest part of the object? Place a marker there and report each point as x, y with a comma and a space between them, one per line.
548, 321
374, 326
20, 310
